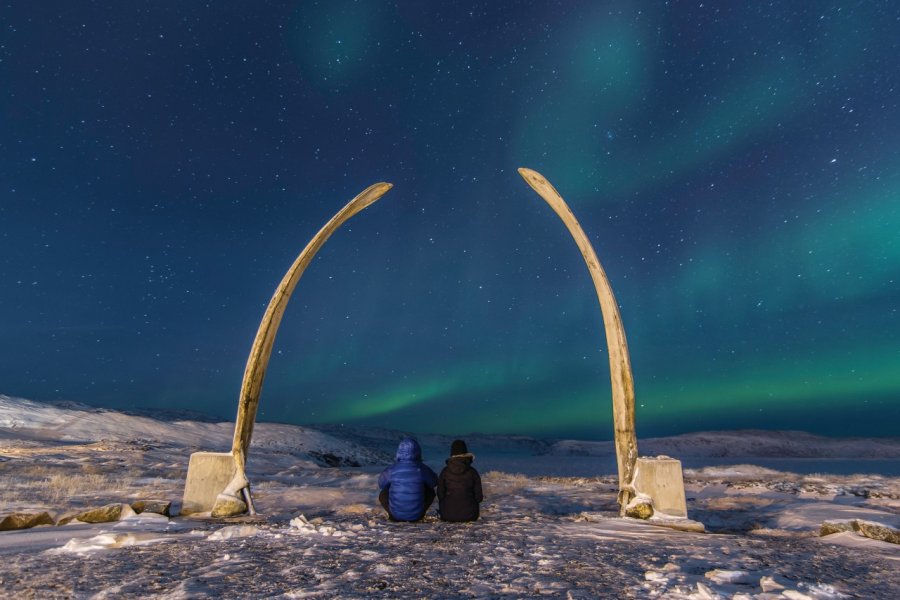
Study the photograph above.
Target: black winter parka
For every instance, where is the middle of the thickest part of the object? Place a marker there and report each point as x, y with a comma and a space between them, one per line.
459, 489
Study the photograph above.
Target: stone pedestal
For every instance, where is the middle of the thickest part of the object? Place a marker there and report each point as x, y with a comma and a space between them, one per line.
209, 473
660, 478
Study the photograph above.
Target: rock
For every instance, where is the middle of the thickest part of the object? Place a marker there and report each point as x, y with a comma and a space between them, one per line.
704, 593
104, 514
770, 584
687, 525
877, 531
328, 459
228, 506
869, 529
640, 507
227, 503
829, 527
25, 520
301, 522
233, 531
160, 507
723, 576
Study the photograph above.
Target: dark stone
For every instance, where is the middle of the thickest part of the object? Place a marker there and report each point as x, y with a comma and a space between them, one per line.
877, 531
228, 506
25, 520
869, 529
327, 459
639, 509
160, 507
104, 514
829, 527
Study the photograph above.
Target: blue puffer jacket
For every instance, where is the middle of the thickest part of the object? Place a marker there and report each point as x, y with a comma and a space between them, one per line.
407, 479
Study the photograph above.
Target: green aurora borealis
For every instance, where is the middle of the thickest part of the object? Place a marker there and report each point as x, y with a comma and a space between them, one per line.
736, 165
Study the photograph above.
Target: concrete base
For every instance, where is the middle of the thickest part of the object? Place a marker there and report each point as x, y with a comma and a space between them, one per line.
208, 475
661, 479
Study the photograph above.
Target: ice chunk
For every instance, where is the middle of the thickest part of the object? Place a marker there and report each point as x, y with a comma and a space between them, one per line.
233, 531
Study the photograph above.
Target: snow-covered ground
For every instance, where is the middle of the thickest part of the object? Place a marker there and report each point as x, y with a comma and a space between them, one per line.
548, 527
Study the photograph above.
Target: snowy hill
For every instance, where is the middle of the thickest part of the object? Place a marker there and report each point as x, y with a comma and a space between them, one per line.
72, 422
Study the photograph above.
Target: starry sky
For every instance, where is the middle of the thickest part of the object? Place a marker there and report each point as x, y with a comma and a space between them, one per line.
735, 164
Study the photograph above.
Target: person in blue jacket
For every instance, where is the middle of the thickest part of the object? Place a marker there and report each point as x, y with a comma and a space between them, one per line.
407, 486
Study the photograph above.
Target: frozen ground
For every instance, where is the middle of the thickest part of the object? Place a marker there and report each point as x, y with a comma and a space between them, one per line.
549, 523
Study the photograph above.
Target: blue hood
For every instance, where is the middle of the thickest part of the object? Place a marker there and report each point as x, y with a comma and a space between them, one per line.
409, 450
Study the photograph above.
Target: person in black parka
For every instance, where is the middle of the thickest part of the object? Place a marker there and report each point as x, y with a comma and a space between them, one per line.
459, 486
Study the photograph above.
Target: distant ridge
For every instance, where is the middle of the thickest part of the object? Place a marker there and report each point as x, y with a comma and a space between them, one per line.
753, 443
72, 421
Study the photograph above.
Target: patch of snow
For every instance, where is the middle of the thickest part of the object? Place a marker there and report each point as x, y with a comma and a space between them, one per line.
106, 541
232, 531
723, 576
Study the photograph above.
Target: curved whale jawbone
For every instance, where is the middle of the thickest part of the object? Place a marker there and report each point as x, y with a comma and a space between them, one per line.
619, 360
261, 350
214, 475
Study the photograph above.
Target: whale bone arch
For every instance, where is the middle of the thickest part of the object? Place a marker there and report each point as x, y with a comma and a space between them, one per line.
619, 362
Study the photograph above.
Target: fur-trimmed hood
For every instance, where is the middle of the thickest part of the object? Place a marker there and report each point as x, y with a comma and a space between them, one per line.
460, 462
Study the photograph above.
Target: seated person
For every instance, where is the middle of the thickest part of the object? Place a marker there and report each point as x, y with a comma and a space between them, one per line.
459, 486
407, 486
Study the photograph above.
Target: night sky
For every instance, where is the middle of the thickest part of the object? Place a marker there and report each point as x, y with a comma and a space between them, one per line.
735, 164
